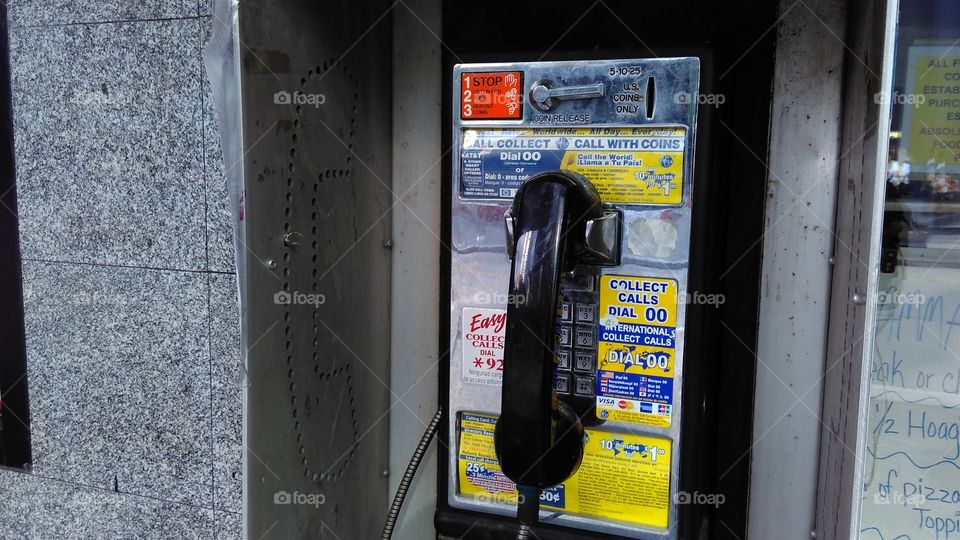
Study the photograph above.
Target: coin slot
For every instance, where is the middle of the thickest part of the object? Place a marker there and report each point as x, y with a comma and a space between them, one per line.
651, 97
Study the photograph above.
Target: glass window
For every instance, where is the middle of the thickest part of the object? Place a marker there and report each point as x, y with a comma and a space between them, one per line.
911, 482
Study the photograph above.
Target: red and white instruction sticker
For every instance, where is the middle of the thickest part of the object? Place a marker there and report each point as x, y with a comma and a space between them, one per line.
491, 95
483, 332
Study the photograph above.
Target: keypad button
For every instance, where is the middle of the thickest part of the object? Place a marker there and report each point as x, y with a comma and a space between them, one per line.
586, 313
566, 336
566, 312
563, 383
585, 361
585, 336
584, 386
563, 359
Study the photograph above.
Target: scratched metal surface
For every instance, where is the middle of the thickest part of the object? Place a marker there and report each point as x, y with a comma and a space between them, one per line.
316, 175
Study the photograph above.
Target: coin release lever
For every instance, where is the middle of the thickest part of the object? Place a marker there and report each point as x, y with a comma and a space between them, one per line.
545, 96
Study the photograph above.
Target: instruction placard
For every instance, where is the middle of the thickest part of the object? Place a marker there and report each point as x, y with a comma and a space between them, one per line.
491, 95
482, 333
636, 349
623, 477
626, 165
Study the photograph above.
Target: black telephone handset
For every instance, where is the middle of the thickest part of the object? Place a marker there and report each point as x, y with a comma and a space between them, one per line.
539, 439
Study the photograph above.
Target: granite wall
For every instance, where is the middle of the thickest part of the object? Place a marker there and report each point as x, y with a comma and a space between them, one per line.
128, 276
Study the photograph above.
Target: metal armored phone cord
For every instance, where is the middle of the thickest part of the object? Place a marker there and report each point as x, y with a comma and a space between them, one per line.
528, 509
408, 475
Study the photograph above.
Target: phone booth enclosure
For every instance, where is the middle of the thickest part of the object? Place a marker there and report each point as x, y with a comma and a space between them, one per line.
622, 337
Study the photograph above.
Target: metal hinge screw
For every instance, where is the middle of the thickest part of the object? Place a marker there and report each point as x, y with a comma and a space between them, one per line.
291, 239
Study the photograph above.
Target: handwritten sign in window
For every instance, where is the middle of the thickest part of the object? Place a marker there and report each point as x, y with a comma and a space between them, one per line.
912, 457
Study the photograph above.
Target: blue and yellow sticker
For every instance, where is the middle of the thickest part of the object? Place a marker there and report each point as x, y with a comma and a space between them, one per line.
623, 477
638, 165
636, 349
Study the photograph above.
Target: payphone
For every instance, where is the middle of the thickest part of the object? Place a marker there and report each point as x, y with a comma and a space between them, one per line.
570, 229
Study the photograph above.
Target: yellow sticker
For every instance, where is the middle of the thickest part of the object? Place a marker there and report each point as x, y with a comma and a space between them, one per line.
931, 112
651, 175
479, 472
636, 349
626, 165
623, 477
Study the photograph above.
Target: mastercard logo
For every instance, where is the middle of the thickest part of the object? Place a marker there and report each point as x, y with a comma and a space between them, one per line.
624, 404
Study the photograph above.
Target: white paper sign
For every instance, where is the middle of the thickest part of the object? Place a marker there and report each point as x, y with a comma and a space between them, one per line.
912, 459
482, 332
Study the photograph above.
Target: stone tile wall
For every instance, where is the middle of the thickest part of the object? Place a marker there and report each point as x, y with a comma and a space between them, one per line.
129, 283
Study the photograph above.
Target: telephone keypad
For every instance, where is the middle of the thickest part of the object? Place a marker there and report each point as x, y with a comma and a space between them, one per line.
576, 325
584, 386
586, 313
585, 336
566, 336
585, 361
563, 359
